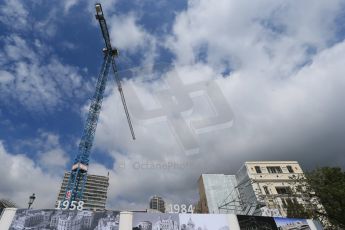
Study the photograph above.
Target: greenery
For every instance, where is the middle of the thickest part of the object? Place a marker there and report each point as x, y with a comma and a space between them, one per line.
297, 210
324, 186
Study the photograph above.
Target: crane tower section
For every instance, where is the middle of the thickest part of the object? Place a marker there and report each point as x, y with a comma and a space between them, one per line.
78, 176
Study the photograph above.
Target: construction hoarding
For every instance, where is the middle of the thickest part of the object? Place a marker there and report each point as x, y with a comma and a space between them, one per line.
15, 219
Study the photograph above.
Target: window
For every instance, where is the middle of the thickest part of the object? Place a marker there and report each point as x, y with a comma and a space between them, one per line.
266, 190
257, 169
285, 203
271, 203
289, 201
289, 168
283, 190
274, 169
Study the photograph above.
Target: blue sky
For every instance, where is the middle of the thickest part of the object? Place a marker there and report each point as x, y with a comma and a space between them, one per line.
75, 40
271, 88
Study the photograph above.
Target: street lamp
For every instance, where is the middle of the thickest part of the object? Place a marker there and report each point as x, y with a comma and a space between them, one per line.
31, 200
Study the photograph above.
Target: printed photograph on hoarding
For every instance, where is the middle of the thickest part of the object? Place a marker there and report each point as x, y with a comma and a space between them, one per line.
155, 221
256, 223
291, 224
204, 222
58, 219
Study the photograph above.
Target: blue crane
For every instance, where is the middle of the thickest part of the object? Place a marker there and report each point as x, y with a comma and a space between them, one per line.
78, 176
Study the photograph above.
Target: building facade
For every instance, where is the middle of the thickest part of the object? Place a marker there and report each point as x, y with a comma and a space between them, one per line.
258, 188
95, 193
157, 203
266, 187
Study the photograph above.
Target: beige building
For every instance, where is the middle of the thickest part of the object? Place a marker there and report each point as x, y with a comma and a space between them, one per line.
95, 193
268, 186
258, 188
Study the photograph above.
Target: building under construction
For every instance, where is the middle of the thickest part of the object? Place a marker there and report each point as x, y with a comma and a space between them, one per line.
157, 203
95, 192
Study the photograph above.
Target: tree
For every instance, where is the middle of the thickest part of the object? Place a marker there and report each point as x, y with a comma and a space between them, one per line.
324, 186
296, 210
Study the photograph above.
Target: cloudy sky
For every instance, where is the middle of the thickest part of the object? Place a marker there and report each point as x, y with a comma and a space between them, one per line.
209, 84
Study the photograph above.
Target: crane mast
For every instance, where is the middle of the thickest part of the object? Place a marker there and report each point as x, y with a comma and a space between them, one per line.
78, 176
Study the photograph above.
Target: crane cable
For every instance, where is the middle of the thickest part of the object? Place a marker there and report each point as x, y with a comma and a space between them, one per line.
119, 87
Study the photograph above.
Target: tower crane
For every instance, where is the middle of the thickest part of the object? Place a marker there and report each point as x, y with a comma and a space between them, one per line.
78, 176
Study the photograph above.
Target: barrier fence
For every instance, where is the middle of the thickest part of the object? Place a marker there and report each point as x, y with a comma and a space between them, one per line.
35, 219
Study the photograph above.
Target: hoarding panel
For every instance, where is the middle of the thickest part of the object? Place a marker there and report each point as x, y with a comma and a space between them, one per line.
59, 219
204, 222
292, 224
155, 221
256, 223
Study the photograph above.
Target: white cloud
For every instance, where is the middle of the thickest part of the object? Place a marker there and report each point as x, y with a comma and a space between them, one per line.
55, 158
68, 4
14, 14
126, 34
20, 177
285, 88
5, 77
129, 36
267, 36
32, 74
40, 81
288, 120
50, 155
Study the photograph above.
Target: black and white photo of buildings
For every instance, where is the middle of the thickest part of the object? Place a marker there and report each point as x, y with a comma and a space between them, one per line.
203, 222
155, 221
49, 219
